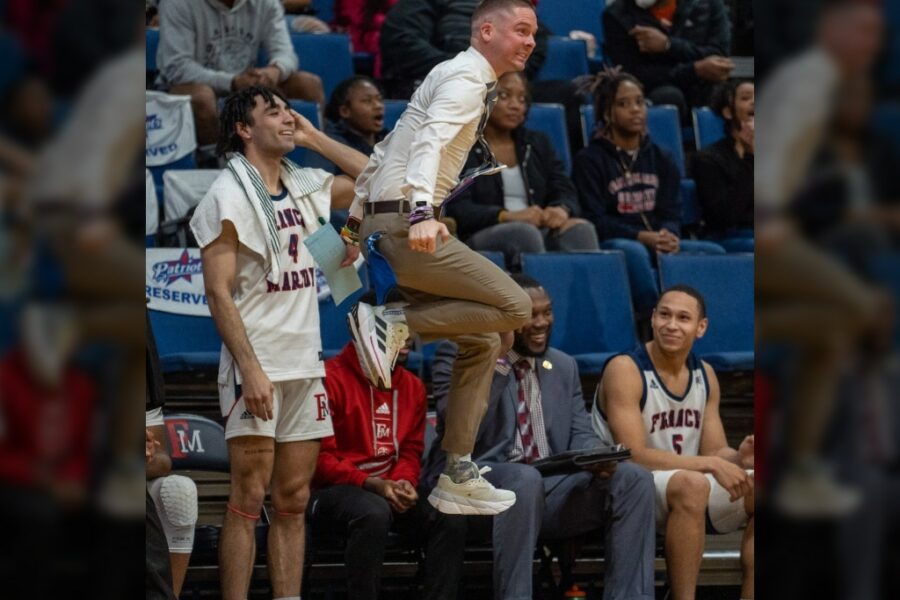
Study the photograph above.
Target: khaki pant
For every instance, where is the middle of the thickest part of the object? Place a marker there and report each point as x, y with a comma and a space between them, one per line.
458, 294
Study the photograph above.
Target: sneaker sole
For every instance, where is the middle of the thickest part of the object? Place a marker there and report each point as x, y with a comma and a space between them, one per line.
451, 504
360, 351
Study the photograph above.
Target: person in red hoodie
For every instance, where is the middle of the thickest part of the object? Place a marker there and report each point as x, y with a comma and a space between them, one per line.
367, 474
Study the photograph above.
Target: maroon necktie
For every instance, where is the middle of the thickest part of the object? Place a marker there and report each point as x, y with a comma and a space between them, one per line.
523, 415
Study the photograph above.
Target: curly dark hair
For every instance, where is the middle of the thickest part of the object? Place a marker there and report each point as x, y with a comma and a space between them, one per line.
724, 96
237, 109
341, 95
602, 88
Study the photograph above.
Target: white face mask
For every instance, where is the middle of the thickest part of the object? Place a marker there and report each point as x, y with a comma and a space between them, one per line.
645, 3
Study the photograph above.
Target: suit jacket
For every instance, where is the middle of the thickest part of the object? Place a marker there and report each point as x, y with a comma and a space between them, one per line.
566, 421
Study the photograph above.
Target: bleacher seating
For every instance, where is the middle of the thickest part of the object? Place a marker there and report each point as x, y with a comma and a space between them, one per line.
186, 343
566, 59
333, 319
184, 188
303, 156
591, 304
551, 120
328, 55
664, 130
564, 16
709, 127
393, 109
152, 42
726, 282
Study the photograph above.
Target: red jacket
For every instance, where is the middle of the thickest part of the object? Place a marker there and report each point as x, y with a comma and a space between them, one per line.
43, 433
349, 456
364, 30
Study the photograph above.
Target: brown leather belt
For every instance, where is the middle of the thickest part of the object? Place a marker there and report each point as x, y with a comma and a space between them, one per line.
386, 206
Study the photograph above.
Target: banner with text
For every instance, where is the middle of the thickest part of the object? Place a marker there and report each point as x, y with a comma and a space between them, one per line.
175, 281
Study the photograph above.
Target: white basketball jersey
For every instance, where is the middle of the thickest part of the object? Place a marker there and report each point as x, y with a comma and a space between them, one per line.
672, 422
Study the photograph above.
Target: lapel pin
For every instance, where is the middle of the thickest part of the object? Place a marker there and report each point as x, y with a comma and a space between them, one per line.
547, 365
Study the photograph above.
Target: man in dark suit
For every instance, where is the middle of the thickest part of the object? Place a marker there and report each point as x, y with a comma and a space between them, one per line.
535, 410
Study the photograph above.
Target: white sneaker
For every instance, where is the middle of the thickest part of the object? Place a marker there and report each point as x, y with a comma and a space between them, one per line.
378, 333
474, 496
814, 493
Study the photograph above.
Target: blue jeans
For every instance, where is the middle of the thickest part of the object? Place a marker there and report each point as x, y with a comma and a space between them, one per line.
642, 276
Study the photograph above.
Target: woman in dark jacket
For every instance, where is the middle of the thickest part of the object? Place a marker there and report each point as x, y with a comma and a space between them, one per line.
724, 171
531, 206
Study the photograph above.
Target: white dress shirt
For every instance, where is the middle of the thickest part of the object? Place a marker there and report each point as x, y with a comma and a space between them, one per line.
420, 160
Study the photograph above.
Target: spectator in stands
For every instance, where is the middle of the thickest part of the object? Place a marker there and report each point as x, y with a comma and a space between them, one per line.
677, 48
629, 188
362, 21
209, 49
418, 34
530, 206
536, 409
724, 171
305, 21
261, 287
367, 475
662, 402
174, 496
355, 114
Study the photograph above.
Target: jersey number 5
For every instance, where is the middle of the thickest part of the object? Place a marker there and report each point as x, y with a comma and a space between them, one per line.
676, 442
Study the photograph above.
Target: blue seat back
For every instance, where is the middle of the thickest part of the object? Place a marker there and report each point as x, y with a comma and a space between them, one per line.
563, 16
591, 300
327, 55
726, 283
333, 319
324, 9
665, 131
495, 256
303, 156
196, 443
152, 47
393, 109
587, 122
184, 335
709, 127
187, 161
550, 119
566, 59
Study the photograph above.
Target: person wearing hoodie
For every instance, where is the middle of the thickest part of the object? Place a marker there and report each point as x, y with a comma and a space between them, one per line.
531, 206
678, 48
367, 474
209, 48
628, 186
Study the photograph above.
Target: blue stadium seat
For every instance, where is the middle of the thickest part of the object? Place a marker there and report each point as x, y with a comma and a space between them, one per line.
665, 131
709, 127
324, 9
152, 46
563, 16
550, 119
690, 206
393, 109
726, 282
587, 122
188, 161
566, 59
186, 343
303, 156
328, 55
333, 319
495, 256
592, 311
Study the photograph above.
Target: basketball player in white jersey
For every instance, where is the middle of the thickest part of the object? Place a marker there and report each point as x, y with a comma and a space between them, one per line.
661, 401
